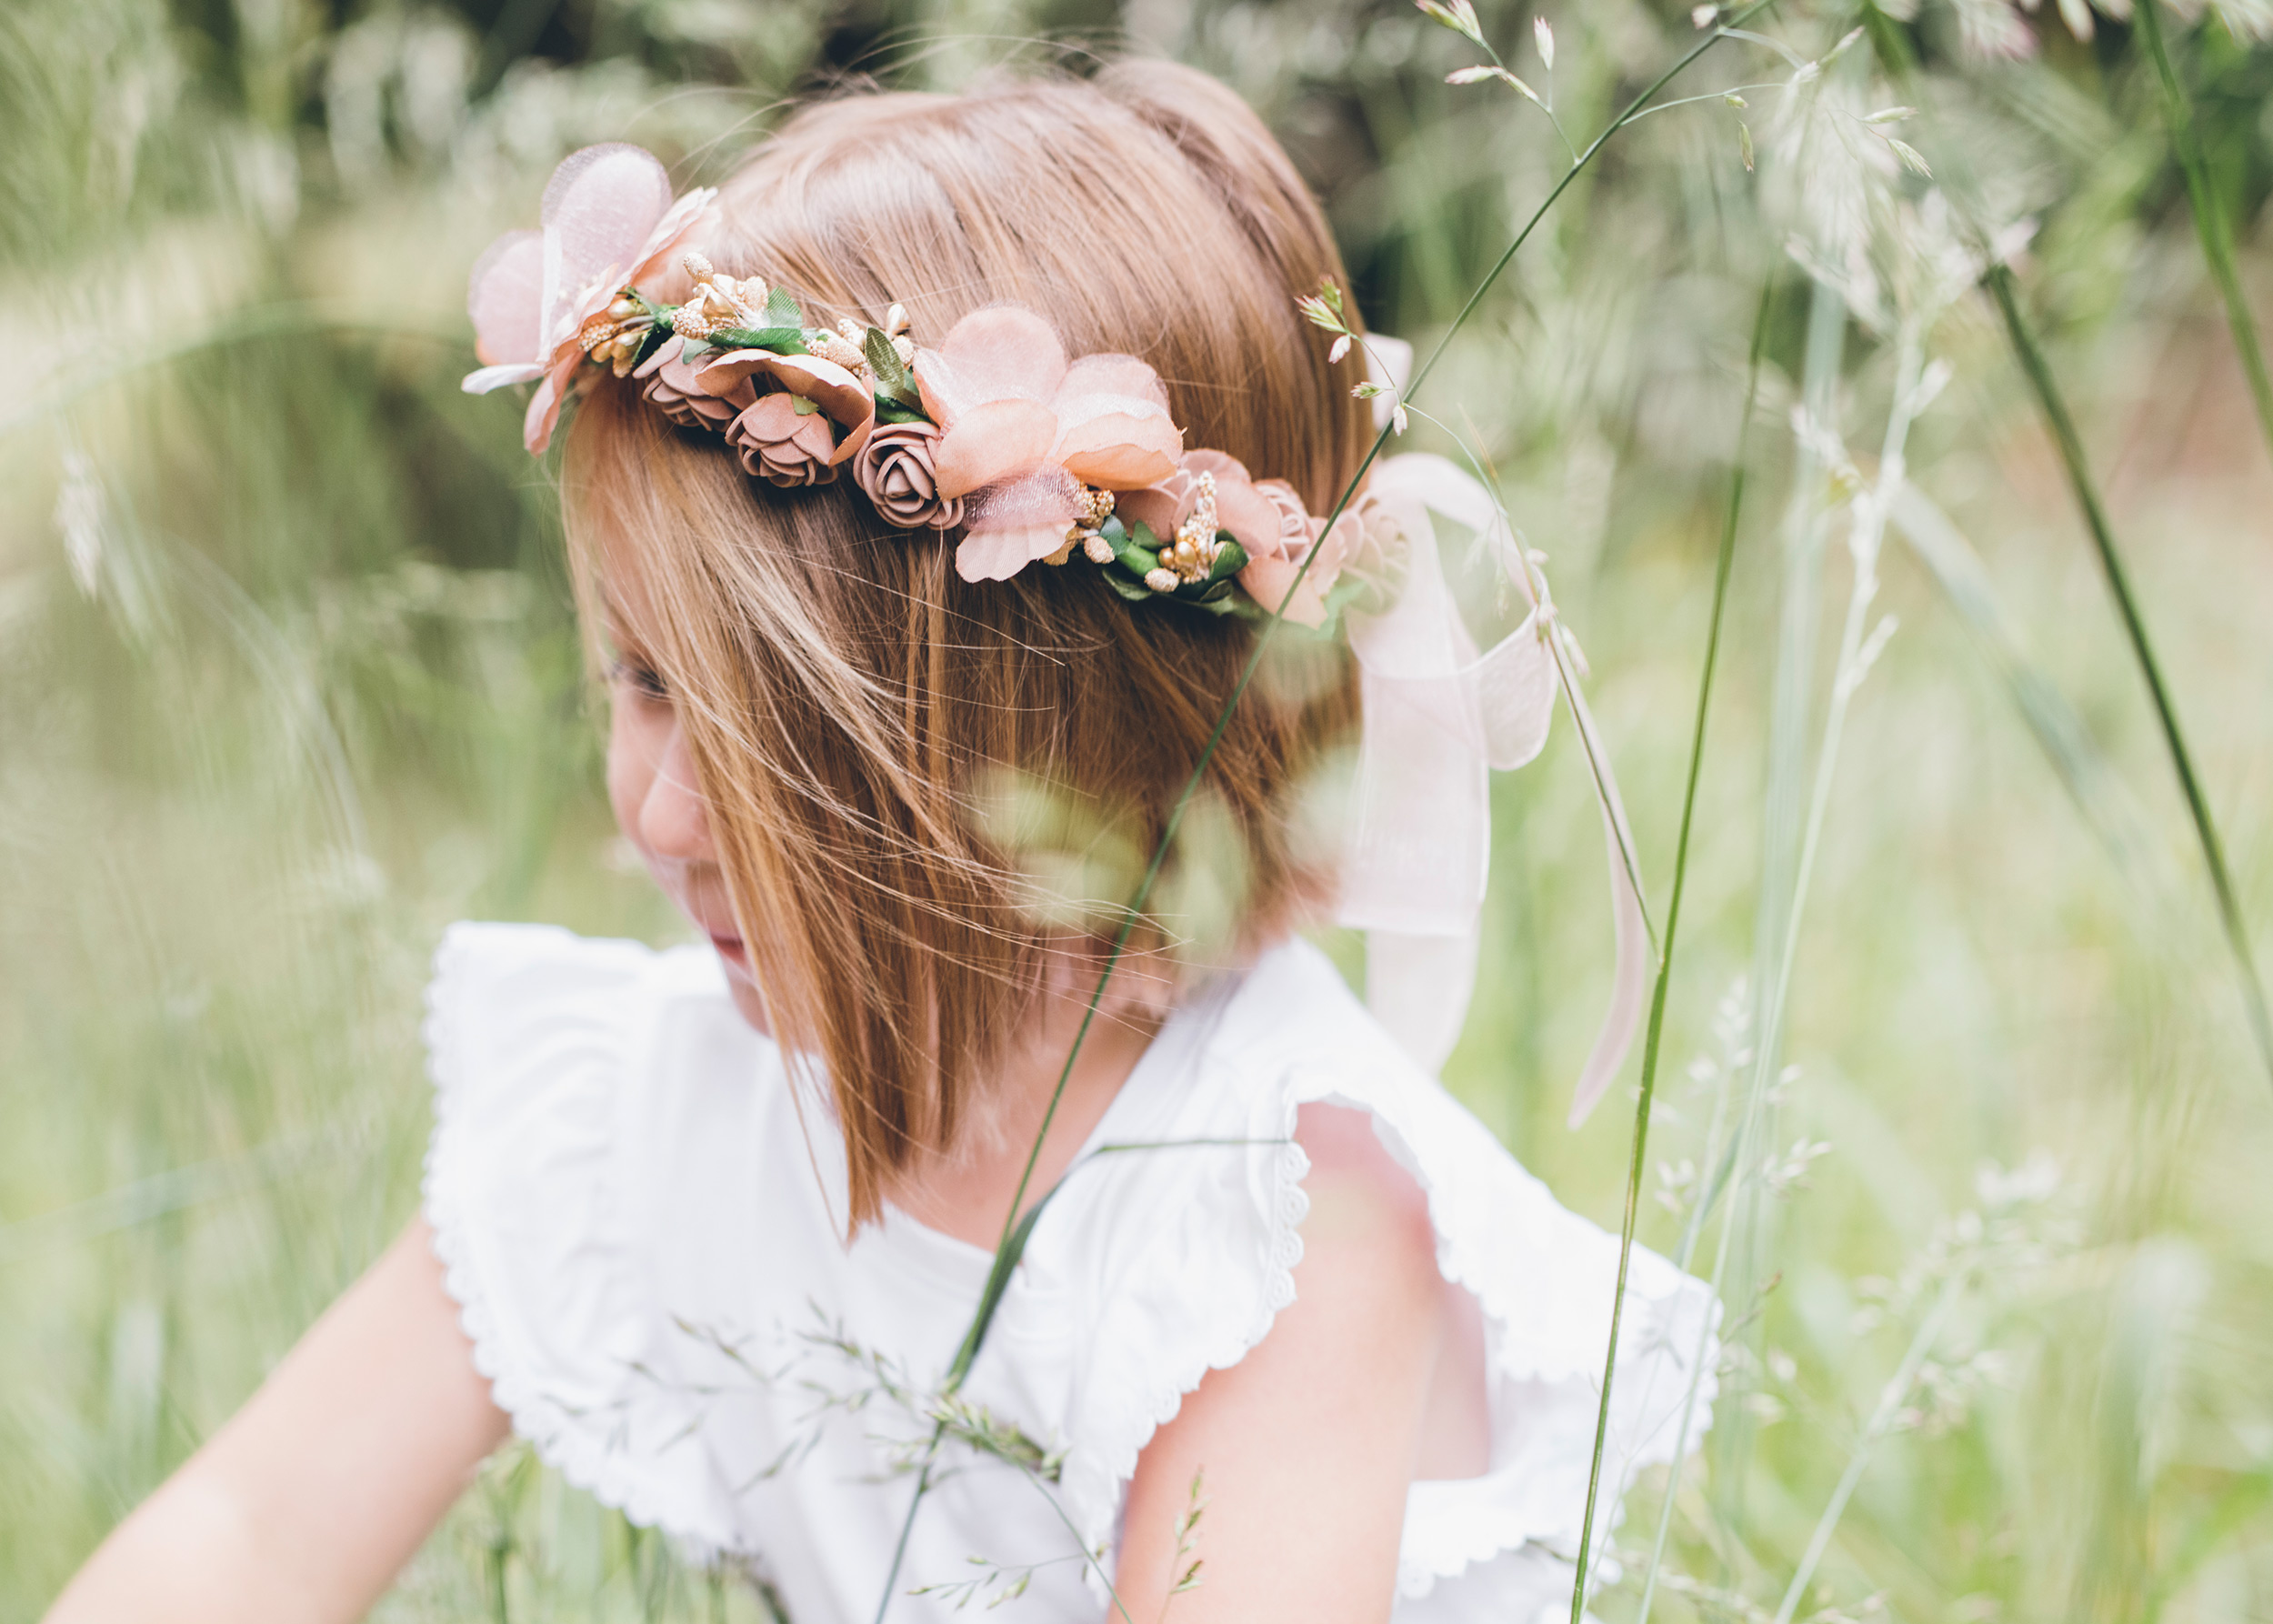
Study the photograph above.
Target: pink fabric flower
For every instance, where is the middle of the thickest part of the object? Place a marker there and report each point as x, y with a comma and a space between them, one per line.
675, 387
609, 222
1265, 517
843, 399
1022, 431
782, 445
898, 469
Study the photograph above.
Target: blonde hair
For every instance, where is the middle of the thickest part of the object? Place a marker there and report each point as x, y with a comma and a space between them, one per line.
846, 696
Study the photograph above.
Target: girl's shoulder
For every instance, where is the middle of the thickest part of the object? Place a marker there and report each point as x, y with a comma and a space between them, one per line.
1185, 1231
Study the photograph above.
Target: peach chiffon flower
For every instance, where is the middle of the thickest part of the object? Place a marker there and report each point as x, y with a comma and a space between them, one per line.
1023, 430
609, 222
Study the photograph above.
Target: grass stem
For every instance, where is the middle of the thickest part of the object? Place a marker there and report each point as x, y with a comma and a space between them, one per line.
1655, 1031
2209, 214
2071, 448
1727, 553
1889, 1404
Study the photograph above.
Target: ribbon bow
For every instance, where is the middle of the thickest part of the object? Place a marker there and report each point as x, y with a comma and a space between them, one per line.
1439, 718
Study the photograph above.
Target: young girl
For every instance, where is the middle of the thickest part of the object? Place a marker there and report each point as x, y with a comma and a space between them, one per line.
927, 489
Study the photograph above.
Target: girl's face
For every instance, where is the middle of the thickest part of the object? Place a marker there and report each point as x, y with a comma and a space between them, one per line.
651, 785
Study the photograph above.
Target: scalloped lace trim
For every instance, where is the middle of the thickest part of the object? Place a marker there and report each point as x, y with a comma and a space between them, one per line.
1489, 1534
584, 1460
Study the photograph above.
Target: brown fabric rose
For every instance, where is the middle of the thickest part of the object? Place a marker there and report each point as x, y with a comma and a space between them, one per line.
898, 469
842, 399
670, 383
781, 445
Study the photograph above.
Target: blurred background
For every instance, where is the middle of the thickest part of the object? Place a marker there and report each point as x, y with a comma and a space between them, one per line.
288, 680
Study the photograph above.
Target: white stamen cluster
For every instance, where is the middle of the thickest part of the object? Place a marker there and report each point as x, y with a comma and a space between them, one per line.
1096, 506
719, 301
844, 345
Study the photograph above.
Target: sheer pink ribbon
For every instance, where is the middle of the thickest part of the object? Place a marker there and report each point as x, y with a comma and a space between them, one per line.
1439, 718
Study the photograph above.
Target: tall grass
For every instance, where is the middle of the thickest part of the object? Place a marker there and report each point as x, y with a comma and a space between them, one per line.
286, 680
2210, 224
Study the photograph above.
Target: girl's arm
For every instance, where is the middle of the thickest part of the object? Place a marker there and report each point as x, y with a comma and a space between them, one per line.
305, 1506
1308, 1444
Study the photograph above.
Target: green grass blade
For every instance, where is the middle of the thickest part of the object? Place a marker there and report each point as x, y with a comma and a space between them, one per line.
1655, 1031
2209, 217
2071, 447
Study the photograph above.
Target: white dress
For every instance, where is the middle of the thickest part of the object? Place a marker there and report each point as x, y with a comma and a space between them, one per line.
647, 1237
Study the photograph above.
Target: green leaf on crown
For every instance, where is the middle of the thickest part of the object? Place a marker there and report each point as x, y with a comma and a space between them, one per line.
1138, 554
782, 311
894, 383
890, 411
652, 340
1136, 591
780, 341
1230, 559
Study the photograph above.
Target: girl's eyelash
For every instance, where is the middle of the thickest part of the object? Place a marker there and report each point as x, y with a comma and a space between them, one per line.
641, 677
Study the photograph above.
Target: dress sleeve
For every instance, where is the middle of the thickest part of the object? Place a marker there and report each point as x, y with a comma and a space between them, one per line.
1198, 1272
535, 1038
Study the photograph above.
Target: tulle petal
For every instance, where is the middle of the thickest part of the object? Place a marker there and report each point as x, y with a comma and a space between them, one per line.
537, 423
1251, 518
997, 555
600, 206
1118, 450
1224, 466
482, 381
506, 297
1130, 383
1047, 499
656, 271
998, 439
1004, 352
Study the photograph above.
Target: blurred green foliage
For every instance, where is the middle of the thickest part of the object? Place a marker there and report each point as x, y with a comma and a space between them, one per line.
288, 680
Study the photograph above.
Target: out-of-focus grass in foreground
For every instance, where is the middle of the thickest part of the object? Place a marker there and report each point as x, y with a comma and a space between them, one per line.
287, 680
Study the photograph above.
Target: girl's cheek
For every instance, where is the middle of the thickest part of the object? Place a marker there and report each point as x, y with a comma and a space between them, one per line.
629, 770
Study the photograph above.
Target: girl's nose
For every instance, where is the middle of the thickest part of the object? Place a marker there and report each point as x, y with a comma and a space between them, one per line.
674, 822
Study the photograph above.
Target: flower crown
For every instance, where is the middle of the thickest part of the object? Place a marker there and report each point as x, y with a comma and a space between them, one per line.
996, 433
1031, 455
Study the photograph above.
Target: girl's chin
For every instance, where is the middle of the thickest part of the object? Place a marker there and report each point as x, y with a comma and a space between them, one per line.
746, 1003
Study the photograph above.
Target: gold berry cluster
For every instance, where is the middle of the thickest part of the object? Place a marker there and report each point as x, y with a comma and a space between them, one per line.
613, 335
